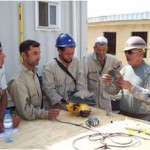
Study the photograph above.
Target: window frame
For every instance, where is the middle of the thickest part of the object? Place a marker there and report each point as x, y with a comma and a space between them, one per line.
58, 15
111, 42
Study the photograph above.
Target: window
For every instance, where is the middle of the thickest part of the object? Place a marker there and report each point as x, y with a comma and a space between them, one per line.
143, 35
48, 15
111, 37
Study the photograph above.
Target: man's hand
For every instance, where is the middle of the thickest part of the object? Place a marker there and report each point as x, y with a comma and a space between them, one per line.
106, 78
124, 84
53, 113
16, 120
1, 126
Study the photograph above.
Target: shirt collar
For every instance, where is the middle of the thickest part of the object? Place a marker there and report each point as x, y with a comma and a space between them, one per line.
70, 64
29, 71
94, 55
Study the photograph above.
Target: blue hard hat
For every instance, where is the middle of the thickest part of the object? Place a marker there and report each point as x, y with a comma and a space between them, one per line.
65, 40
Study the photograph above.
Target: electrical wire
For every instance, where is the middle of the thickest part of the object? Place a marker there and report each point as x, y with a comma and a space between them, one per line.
78, 125
105, 145
134, 140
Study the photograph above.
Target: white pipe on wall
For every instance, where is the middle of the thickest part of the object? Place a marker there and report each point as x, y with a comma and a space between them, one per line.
74, 23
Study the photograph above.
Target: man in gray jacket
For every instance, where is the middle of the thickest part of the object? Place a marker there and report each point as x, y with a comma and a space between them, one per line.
56, 82
95, 65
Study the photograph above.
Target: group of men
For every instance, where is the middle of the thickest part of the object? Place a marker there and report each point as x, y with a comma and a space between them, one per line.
33, 101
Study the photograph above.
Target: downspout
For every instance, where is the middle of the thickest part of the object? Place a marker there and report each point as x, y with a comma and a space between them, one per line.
20, 17
74, 24
20, 23
83, 29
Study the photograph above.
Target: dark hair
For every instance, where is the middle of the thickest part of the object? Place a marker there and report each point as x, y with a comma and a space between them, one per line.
63, 48
25, 45
0, 44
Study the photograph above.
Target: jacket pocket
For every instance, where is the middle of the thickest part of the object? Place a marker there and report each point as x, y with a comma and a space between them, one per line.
33, 99
93, 81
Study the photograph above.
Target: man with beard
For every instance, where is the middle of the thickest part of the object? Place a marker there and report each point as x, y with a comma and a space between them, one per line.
56, 82
25, 88
95, 65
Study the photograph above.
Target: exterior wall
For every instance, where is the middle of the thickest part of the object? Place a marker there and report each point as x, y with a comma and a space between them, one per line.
123, 31
73, 21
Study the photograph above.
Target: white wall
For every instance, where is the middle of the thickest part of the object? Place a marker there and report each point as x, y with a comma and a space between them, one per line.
9, 31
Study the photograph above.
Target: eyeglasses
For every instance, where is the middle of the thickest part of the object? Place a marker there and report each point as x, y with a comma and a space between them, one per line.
130, 52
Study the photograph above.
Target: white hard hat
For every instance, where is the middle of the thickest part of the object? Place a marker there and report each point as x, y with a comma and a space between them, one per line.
101, 40
135, 42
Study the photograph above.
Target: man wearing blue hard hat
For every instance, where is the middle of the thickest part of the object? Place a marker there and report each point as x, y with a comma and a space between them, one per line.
56, 82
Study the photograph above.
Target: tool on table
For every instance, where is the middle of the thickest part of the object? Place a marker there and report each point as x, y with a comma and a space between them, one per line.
93, 121
79, 102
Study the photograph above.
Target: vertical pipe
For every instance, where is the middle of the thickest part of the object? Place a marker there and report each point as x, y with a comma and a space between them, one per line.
20, 23
83, 28
74, 23
21, 38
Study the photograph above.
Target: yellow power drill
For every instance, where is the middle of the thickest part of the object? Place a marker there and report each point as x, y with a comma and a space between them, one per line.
79, 102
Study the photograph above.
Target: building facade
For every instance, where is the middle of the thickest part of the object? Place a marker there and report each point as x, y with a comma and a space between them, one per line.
42, 21
117, 29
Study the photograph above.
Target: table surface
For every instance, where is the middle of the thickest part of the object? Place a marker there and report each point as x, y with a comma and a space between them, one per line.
53, 135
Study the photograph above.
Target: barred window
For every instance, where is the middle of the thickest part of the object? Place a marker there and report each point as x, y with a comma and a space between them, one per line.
111, 37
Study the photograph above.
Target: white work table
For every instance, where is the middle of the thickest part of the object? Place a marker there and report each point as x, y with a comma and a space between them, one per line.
53, 135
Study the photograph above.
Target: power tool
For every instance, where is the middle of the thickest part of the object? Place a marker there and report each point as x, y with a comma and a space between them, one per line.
79, 102
93, 121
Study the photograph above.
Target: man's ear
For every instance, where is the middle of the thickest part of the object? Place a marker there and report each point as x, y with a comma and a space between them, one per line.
23, 55
94, 47
106, 48
59, 51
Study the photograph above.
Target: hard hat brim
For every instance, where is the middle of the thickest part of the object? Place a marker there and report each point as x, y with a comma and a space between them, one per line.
133, 47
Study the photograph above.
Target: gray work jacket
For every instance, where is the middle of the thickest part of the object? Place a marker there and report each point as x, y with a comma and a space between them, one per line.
56, 82
138, 99
94, 72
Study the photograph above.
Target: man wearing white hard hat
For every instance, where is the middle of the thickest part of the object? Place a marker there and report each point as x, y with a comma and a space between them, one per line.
95, 65
135, 81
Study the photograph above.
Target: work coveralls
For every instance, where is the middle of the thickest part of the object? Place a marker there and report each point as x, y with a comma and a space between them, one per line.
93, 72
26, 93
56, 83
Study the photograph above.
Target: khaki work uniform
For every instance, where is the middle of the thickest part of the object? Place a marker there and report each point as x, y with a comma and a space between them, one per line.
26, 92
56, 82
